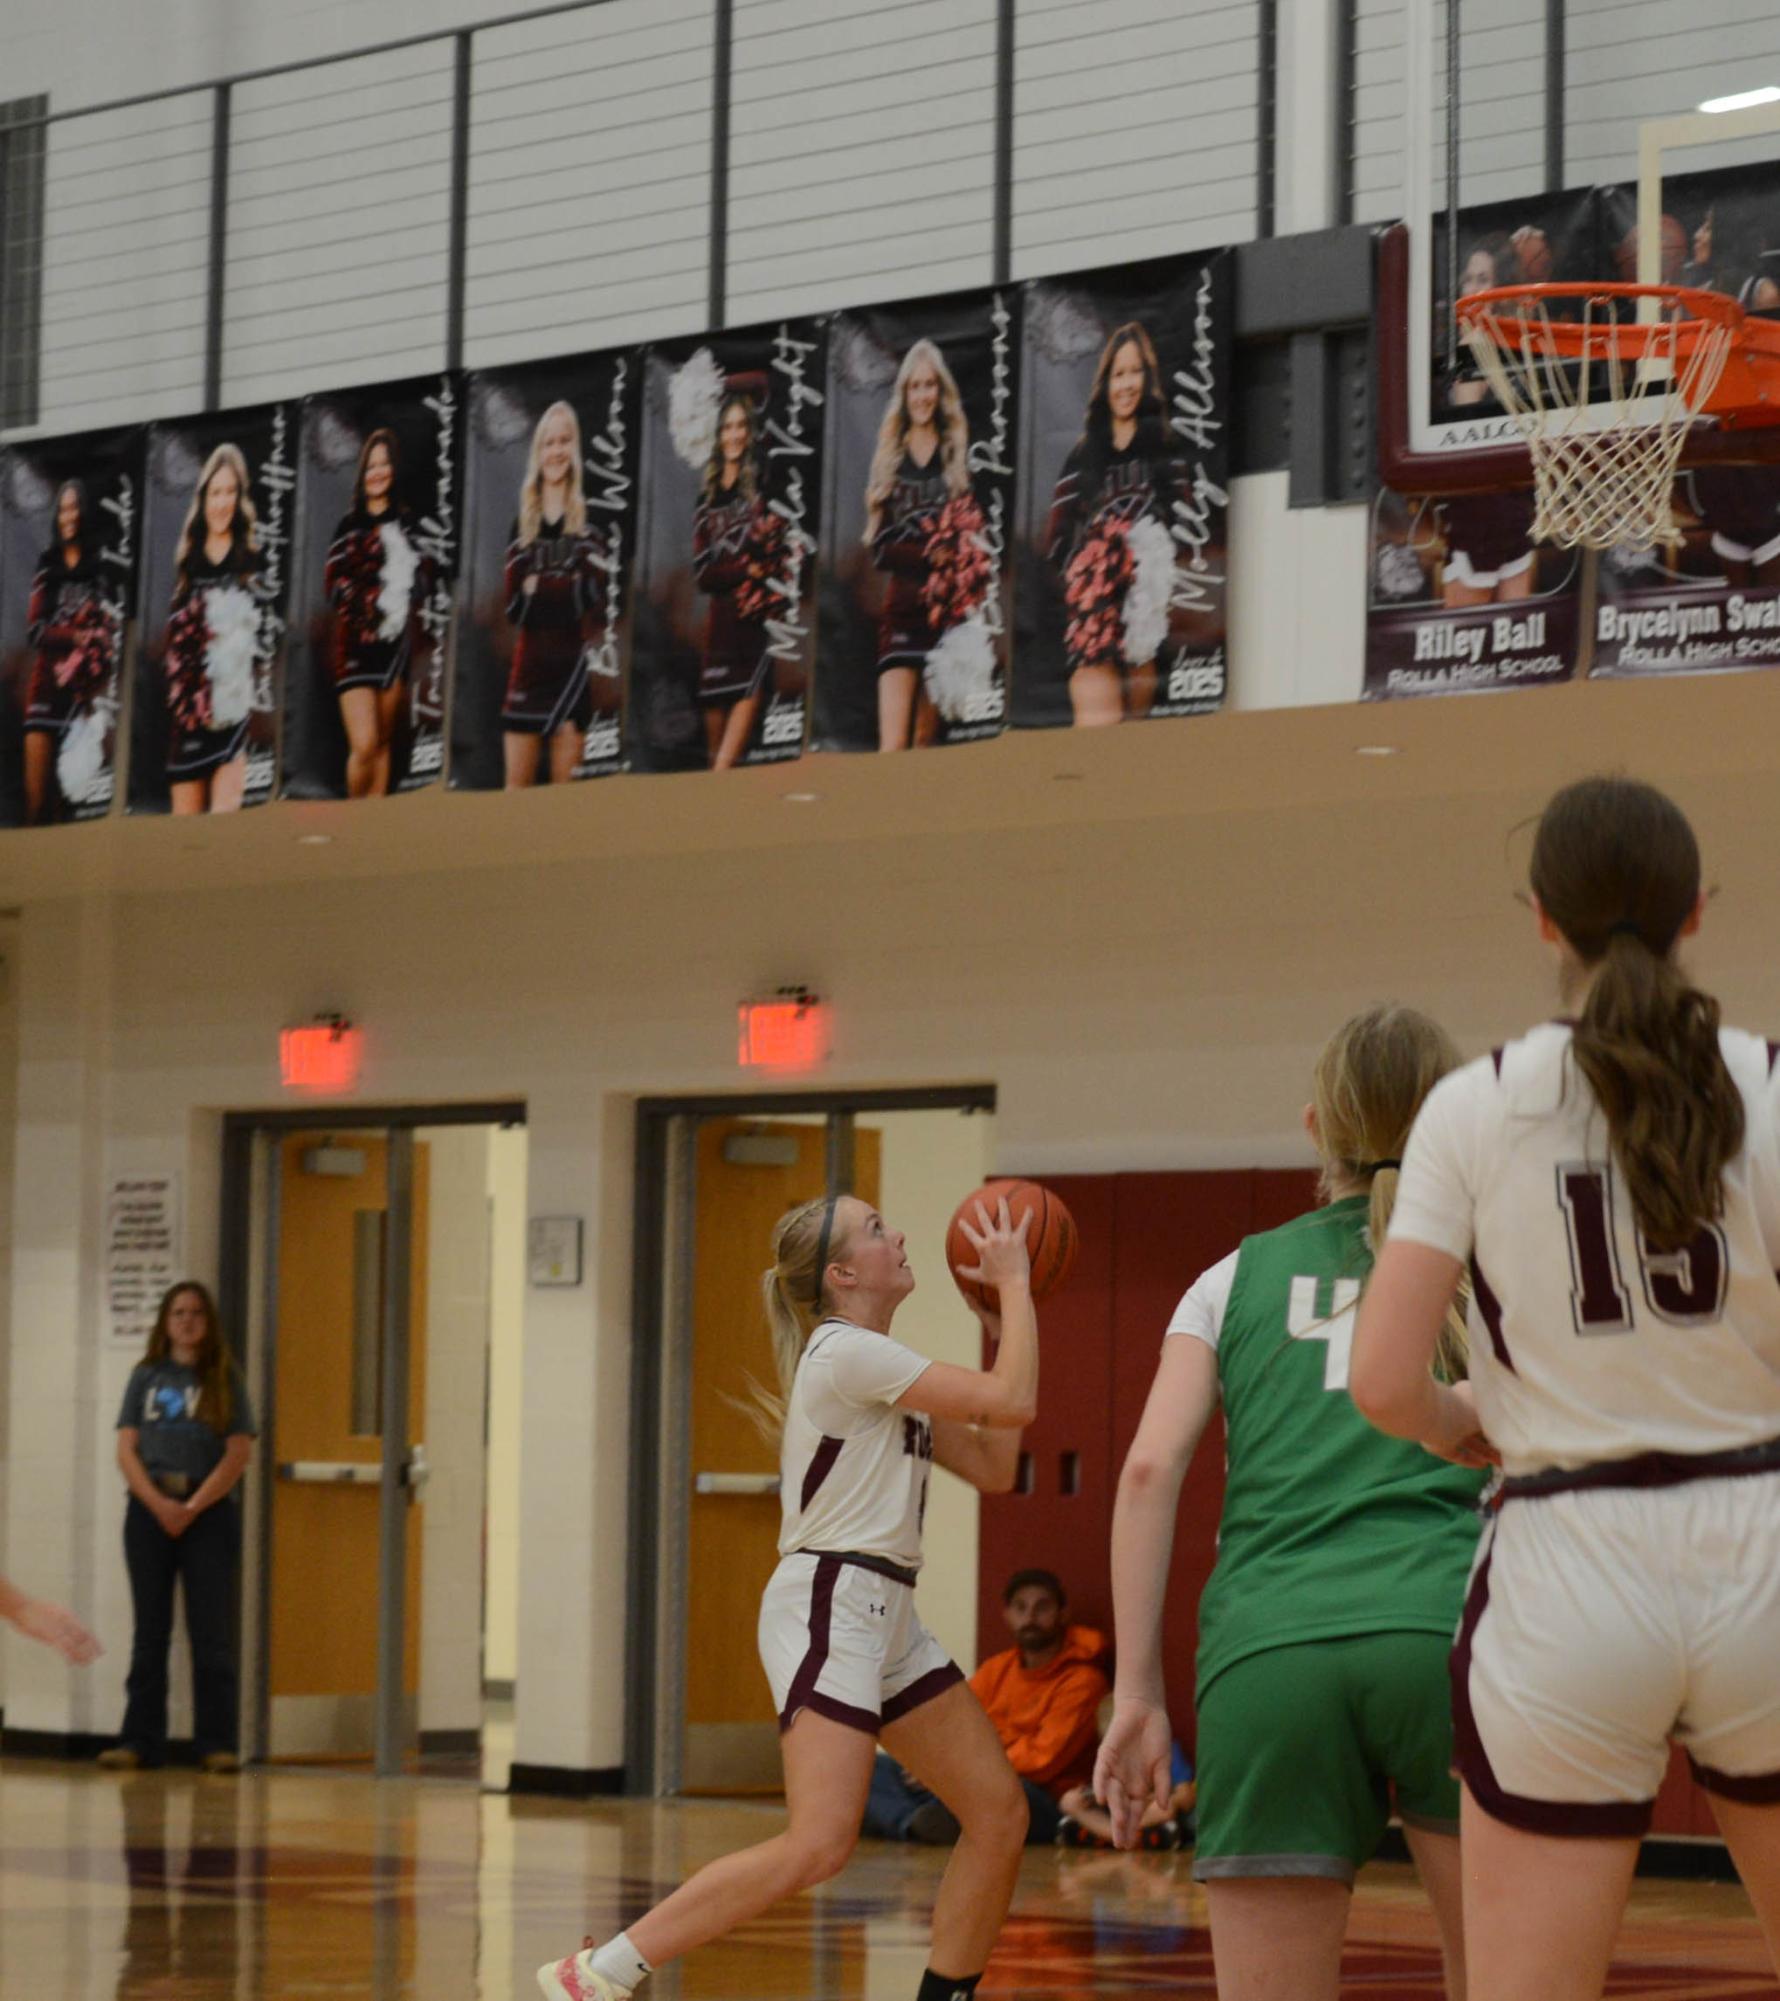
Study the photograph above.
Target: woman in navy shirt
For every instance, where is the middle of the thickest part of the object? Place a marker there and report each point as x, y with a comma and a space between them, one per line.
184, 1437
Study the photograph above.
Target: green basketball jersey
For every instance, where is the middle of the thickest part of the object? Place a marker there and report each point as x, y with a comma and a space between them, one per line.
1330, 1529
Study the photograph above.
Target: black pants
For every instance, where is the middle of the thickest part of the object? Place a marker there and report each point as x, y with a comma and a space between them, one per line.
205, 1558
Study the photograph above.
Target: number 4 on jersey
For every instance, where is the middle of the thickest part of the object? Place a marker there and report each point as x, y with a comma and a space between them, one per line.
1336, 1325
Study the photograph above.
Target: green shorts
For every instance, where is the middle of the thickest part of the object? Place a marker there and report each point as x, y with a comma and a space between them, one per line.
1300, 1749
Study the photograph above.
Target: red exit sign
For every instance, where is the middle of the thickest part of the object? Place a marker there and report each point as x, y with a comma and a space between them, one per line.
789, 1032
322, 1056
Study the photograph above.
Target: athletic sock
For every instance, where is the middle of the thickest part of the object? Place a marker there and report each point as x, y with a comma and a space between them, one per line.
620, 1962
947, 1986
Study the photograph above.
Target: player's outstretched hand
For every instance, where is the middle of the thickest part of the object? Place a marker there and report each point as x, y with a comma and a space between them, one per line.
1002, 1255
1135, 1766
57, 1628
1459, 1435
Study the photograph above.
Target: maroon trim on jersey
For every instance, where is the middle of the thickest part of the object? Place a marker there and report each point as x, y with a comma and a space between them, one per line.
1491, 1309
820, 1466
1753, 1788
803, 1693
1573, 1817
934, 1682
836, 1712
1496, 1057
1646, 1469
1773, 1056
880, 1566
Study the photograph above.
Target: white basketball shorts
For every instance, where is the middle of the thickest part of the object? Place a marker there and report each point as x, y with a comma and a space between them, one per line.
845, 1641
1600, 1625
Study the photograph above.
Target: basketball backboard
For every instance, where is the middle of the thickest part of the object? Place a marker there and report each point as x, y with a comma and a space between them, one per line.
1594, 140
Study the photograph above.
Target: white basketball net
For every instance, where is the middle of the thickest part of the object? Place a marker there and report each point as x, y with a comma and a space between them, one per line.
1605, 429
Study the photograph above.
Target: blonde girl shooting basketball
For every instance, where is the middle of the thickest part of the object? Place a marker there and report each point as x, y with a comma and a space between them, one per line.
863, 1420
1341, 1564
1613, 1181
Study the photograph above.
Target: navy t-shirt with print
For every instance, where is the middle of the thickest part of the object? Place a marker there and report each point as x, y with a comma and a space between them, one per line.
161, 1402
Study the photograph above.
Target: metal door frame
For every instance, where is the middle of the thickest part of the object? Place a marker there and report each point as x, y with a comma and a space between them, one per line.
663, 1204
249, 1236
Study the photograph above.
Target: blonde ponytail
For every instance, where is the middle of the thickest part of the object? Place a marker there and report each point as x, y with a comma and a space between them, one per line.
791, 1292
1371, 1078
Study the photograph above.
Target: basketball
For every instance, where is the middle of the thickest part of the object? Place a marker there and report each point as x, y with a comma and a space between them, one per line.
1050, 1237
1532, 250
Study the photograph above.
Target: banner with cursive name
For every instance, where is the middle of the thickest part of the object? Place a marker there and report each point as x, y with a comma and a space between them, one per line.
726, 548
1122, 523
543, 631
917, 518
69, 534
216, 534
1460, 602
374, 562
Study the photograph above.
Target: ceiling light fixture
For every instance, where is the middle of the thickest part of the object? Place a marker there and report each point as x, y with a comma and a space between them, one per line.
1377, 749
1744, 100
315, 840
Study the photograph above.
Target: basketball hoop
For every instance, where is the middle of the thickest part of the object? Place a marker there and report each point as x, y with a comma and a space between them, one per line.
1605, 399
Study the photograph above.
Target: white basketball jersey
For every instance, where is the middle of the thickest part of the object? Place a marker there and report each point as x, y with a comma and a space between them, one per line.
852, 1469
1587, 1343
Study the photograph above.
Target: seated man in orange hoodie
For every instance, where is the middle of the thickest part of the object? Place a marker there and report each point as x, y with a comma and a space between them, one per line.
1041, 1694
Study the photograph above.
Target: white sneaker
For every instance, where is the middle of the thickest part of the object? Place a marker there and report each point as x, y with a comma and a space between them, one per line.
573, 1979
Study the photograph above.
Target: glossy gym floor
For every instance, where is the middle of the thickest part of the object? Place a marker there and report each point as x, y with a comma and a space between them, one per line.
332, 1886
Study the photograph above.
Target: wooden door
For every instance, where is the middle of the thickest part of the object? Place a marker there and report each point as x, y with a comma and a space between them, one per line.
322, 1648
732, 1738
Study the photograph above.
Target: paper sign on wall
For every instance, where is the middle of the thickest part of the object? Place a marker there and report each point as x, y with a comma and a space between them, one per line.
142, 1249
553, 1250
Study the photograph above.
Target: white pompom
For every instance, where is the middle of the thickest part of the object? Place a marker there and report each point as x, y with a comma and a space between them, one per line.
960, 671
234, 622
1145, 619
395, 595
695, 395
80, 762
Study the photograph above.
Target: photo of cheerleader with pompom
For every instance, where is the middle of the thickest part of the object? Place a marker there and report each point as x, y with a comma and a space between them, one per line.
731, 486
372, 567
68, 528
1123, 515
376, 579
549, 528
214, 583
916, 525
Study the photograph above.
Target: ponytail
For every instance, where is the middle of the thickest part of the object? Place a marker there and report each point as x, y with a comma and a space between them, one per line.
792, 1294
1647, 1044
1370, 1081
1617, 870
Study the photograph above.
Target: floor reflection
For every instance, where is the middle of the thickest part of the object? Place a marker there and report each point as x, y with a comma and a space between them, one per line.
170, 1887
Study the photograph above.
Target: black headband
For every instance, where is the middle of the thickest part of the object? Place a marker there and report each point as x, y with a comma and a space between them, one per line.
1372, 1166
822, 1249
1626, 927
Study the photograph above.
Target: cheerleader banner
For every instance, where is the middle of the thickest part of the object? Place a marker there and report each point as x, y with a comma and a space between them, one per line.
1461, 602
917, 522
69, 529
215, 584
543, 629
727, 548
1119, 593
375, 555
1709, 602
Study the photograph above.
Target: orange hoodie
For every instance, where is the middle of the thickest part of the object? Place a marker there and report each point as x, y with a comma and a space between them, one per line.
1045, 1717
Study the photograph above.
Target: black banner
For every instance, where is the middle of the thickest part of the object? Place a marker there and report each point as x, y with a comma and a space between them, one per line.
543, 628
1709, 603
1122, 532
916, 523
376, 551
1461, 602
69, 527
725, 592
215, 583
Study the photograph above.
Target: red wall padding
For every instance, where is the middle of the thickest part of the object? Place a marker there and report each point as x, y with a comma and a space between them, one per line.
1144, 1239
